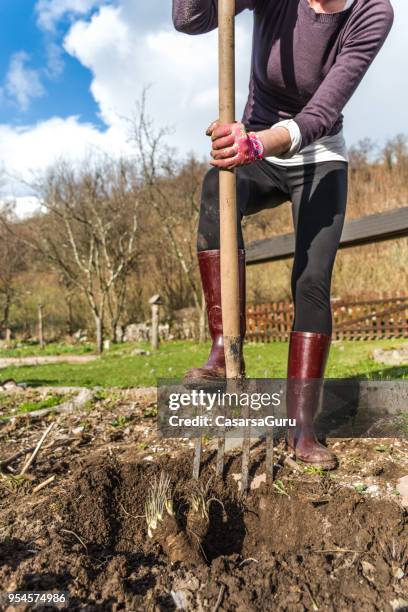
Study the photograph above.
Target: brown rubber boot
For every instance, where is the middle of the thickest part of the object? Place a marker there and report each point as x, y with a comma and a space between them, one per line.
209, 263
308, 353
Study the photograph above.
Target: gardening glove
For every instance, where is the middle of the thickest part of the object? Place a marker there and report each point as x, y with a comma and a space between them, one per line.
233, 146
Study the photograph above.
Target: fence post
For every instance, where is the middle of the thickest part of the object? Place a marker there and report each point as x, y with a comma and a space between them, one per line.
7, 337
40, 326
155, 301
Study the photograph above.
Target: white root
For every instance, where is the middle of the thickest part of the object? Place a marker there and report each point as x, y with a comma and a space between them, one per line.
159, 501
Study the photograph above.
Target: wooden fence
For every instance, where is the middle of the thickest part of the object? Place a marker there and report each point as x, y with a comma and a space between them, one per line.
387, 225
365, 319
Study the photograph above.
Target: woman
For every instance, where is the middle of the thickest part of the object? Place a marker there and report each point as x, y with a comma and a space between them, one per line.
308, 58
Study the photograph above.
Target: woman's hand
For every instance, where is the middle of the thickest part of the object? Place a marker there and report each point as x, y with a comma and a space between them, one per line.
233, 146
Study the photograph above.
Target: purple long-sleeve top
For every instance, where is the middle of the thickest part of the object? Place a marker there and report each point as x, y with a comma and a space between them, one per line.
305, 65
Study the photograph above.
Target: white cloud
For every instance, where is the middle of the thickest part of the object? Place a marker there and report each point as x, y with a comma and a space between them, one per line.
31, 149
26, 205
55, 63
23, 84
50, 11
182, 70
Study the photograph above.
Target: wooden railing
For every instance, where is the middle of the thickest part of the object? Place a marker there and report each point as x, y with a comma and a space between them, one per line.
387, 225
365, 319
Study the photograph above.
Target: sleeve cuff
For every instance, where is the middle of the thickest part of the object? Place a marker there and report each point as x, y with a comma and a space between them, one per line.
295, 136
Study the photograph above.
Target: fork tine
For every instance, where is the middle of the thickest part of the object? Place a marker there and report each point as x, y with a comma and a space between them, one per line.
220, 456
197, 457
246, 450
270, 456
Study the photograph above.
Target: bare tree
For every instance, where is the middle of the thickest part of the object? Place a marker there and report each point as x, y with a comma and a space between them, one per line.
89, 232
395, 151
172, 191
12, 263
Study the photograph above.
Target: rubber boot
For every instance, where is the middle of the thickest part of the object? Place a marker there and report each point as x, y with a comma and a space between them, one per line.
308, 353
209, 264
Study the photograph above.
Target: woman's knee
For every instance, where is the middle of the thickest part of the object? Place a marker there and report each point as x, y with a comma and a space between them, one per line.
209, 221
312, 304
313, 287
208, 226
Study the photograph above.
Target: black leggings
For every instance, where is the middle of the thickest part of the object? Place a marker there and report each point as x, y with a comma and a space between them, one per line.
318, 193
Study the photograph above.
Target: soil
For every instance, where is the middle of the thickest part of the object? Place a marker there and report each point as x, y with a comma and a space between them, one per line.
308, 541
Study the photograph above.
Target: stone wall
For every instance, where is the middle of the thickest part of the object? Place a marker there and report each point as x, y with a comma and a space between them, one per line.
183, 325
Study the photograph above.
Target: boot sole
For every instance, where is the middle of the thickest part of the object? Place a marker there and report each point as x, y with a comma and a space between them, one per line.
327, 467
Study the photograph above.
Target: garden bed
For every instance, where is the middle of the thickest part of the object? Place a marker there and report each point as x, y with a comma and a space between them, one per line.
310, 541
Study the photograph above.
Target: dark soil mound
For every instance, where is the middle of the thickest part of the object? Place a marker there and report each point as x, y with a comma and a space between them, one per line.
300, 545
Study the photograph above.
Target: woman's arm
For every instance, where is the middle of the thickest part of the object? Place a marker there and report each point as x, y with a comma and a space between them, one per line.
364, 42
200, 16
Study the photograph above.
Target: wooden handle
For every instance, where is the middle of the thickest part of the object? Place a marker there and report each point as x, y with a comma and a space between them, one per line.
226, 34
228, 204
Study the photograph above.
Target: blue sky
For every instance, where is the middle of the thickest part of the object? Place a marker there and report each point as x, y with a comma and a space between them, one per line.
64, 94
71, 70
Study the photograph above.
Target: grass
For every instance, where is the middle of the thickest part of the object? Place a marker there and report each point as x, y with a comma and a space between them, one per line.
118, 368
360, 488
49, 402
34, 350
120, 422
314, 470
11, 404
280, 488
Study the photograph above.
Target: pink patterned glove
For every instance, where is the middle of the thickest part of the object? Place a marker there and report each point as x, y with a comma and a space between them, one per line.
233, 146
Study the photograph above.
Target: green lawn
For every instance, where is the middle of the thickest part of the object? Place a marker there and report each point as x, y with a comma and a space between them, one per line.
34, 350
120, 369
